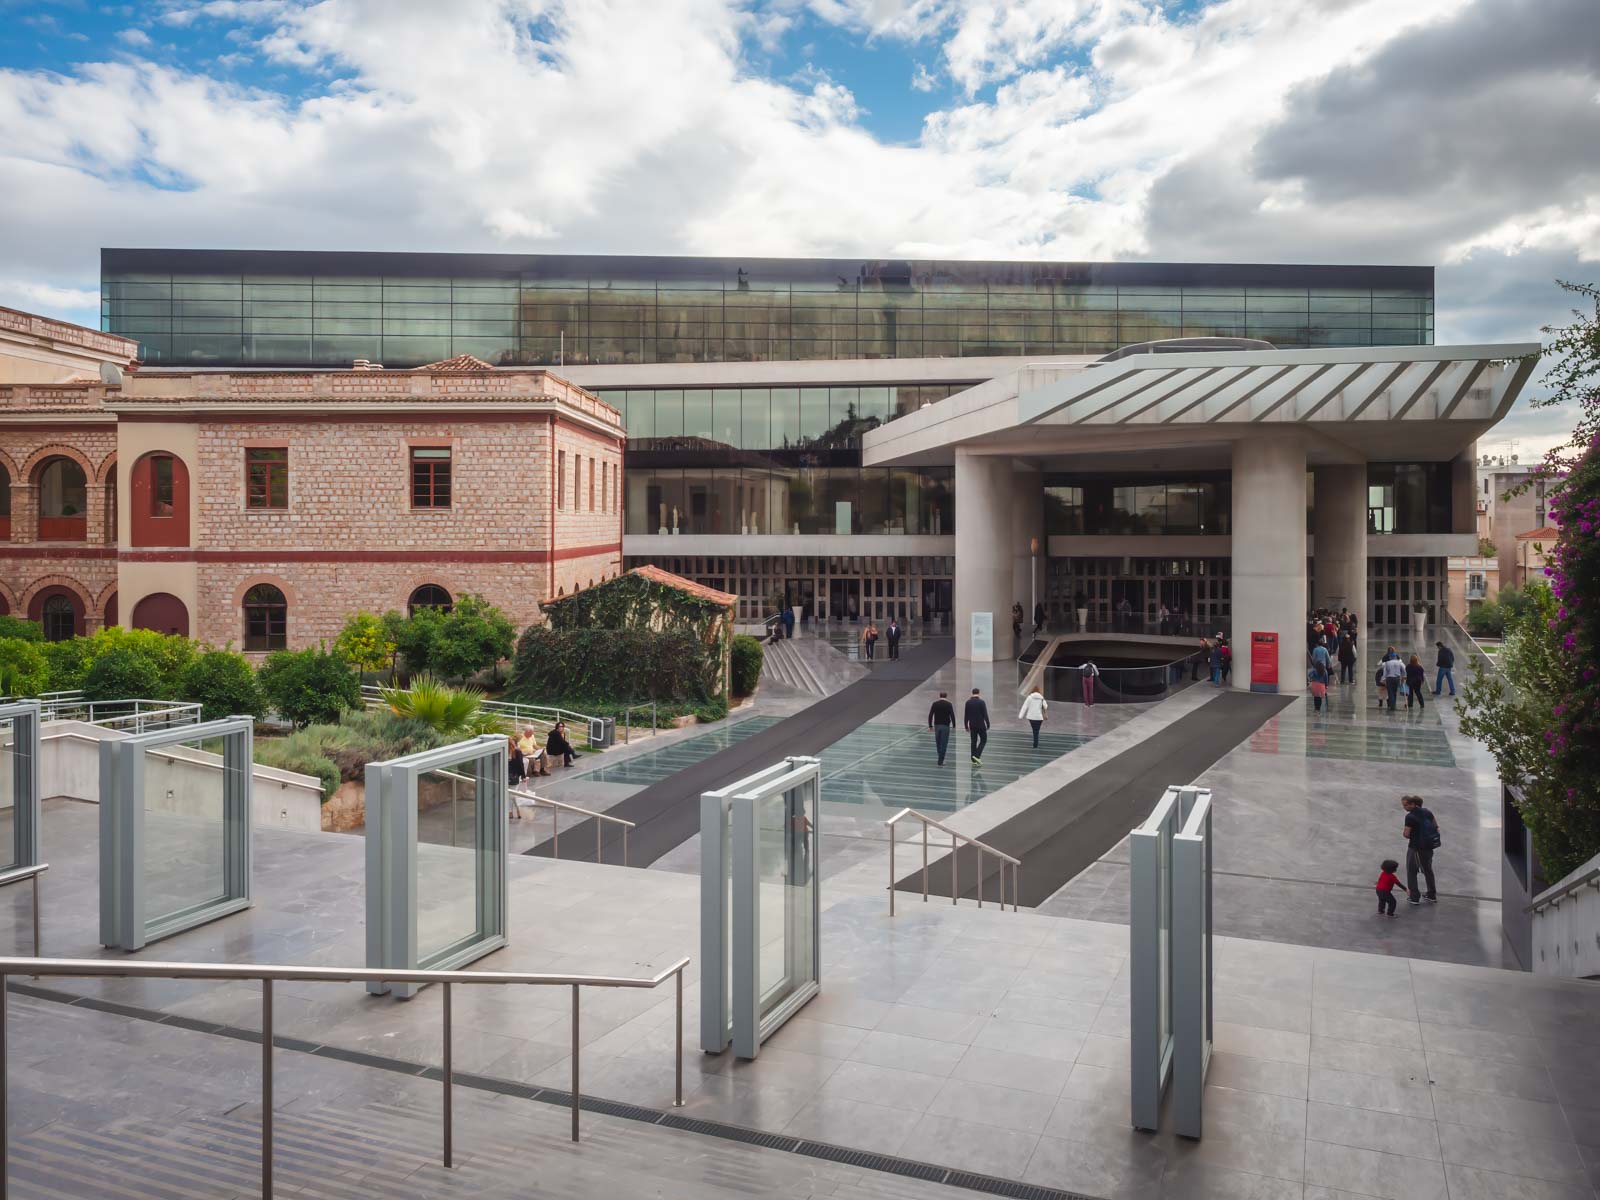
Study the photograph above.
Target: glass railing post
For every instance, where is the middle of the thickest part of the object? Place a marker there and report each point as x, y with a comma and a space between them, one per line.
266, 1089
678, 1094
5, 1088
449, 1080
575, 1079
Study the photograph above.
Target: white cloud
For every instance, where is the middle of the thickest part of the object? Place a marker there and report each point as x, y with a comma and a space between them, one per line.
134, 37
1279, 130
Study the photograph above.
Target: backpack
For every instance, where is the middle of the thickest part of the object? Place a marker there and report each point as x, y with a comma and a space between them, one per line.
1428, 834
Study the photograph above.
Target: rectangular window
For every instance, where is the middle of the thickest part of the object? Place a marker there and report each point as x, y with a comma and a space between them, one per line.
605, 484
430, 477
161, 485
577, 481
561, 478
266, 477
591, 485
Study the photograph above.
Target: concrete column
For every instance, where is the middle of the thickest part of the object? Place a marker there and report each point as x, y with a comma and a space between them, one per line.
1464, 491
983, 549
1027, 523
1269, 554
1339, 529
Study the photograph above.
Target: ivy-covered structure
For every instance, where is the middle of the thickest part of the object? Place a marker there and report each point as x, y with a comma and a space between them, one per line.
645, 635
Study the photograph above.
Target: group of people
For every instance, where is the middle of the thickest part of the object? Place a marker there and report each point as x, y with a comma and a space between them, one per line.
870, 637
1330, 638
1217, 655
527, 757
1017, 618
975, 719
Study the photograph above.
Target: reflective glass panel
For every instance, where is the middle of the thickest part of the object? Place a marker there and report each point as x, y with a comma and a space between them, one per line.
447, 861
8, 794
184, 851
787, 830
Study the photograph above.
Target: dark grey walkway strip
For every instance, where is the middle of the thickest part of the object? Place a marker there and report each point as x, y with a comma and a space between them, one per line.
667, 813
1075, 825
667, 1119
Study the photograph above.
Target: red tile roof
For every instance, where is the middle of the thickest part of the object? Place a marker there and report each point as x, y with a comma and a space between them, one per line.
668, 579
461, 362
1546, 533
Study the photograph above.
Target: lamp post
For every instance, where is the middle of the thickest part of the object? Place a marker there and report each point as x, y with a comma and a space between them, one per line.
1033, 576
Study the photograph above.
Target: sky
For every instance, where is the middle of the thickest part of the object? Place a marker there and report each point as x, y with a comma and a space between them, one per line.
1464, 134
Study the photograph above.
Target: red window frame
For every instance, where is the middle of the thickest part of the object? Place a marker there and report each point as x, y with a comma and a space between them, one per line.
430, 476
266, 477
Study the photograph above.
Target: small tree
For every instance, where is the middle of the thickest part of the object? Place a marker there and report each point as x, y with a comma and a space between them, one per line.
1487, 549
365, 644
473, 636
308, 686
223, 684
23, 631
123, 673
24, 670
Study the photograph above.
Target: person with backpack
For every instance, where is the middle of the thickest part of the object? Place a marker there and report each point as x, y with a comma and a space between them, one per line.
1422, 839
1445, 661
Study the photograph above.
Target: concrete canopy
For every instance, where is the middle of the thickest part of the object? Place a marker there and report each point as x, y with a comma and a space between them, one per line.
1356, 404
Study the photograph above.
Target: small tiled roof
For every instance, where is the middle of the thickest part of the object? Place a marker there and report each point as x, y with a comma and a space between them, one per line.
461, 362
1545, 533
668, 579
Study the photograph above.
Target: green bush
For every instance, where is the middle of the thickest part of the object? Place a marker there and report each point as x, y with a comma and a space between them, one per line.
309, 686
472, 636
714, 709
615, 666
24, 670
452, 712
67, 661
22, 631
747, 658
223, 684
1486, 620
168, 656
339, 753
365, 644
123, 673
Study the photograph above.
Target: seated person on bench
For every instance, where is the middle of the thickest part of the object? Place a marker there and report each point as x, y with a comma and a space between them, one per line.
534, 759
557, 744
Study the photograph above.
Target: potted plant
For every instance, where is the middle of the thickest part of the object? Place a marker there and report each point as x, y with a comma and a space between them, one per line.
1419, 616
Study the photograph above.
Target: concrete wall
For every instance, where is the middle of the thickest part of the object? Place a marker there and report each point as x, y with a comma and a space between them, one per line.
69, 766
1269, 554
983, 549
1339, 530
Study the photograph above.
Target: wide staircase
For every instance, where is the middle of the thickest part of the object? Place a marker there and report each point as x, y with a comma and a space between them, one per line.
783, 663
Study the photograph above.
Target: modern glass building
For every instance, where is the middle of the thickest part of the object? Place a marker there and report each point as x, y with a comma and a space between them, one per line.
747, 386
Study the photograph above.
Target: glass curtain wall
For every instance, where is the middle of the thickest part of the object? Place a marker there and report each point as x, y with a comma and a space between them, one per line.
549, 311
1107, 506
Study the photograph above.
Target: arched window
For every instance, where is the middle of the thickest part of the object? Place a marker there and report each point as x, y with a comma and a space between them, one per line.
266, 618
63, 500
59, 616
429, 595
5, 503
158, 491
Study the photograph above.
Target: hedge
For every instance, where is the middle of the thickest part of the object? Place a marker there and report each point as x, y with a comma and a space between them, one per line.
747, 659
620, 666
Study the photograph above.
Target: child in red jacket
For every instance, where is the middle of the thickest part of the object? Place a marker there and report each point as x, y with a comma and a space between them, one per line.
1387, 882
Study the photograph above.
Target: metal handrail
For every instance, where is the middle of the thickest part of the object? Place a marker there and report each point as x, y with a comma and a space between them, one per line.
113, 714
955, 840
627, 721
268, 974
560, 806
17, 875
1554, 896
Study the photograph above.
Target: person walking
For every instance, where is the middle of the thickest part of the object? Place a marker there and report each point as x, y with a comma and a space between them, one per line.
976, 720
1416, 682
1392, 673
1422, 839
1089, 673
869, 638
1317, 683
1321, 660
1034, 707
1038, 617
788, 621
1347, 659
1215, 660
893, 633
1227, 658
1445, 661
1387, 882
1016, 621
942, 719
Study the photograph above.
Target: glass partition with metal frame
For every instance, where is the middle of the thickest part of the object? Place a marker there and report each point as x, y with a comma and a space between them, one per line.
1168, 934
1192, 964
760, 947
19, 784
436, 858
174, 830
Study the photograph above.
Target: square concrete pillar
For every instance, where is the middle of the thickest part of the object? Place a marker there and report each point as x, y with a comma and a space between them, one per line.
1027, 527
984, 567
1339, 531
1269, 554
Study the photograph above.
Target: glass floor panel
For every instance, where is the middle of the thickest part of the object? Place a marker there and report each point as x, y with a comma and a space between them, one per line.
888, 765
656, 765
1364, 741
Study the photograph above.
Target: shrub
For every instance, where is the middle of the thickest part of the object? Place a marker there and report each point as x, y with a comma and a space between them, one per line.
123, 673
22, 631
67, 661
339, 753
307, 686
452, 712
223, 684
714, 709
616, 666
1486, 620
24, 670
365, 644
472, 636
168, 656
747, 658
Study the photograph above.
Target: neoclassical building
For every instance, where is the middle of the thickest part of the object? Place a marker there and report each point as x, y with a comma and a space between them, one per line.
262, 508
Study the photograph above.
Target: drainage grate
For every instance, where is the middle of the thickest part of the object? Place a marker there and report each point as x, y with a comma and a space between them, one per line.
1008, 1187
873, 1162
616, 1108
732, 1133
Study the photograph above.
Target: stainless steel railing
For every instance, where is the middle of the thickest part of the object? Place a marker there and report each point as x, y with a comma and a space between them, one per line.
627, 720
17, 875
557, 807
956, 841
268, 975
133, 715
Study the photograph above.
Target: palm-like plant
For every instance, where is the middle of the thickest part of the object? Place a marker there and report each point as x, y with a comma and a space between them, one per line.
448, 711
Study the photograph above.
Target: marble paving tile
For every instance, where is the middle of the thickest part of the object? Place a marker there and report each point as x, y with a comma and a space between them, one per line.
1372, 1173
1514, 1154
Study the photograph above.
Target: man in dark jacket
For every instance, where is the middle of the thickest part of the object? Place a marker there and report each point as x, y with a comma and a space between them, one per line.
977, 723
942, 719
893, 632
1422, 839
557, 744
1446, 662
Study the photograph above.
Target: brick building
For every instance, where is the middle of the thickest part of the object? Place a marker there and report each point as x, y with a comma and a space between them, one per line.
262, 508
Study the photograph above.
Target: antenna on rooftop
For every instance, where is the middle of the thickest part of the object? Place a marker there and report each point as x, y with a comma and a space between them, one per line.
110, 374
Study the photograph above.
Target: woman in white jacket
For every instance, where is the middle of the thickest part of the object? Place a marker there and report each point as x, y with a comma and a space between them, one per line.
1034, 707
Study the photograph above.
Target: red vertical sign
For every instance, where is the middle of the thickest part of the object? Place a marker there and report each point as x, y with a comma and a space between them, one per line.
1263, 662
